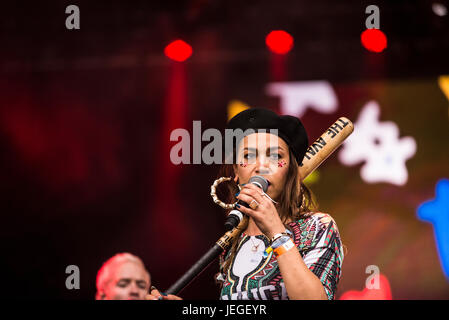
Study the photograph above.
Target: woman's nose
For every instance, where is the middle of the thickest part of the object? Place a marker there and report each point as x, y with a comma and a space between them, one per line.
262, 164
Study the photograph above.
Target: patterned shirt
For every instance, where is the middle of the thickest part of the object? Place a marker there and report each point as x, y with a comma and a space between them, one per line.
254, 275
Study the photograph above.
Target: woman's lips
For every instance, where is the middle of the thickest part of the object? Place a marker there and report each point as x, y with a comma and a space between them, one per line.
269, 184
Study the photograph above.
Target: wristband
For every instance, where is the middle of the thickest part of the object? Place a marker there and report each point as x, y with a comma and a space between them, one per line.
280, 241
284, 248
287, 234
276, 244
278, 235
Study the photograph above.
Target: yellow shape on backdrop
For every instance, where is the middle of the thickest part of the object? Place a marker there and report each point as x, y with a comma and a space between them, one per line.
235, 107
443, 82
312, 178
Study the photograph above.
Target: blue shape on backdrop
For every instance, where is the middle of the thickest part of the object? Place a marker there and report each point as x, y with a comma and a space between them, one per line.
436, 212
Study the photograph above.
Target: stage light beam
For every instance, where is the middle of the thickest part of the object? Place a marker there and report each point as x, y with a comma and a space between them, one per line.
178, 50
374, 40
279, 41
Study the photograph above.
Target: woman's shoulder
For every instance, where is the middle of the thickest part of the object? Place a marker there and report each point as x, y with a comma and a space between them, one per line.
316, 220
312, 228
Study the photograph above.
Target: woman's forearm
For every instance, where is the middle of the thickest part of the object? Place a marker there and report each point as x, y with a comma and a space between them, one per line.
300, 282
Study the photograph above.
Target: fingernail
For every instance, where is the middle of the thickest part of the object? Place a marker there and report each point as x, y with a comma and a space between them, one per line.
164, 294
237, 193
237, 205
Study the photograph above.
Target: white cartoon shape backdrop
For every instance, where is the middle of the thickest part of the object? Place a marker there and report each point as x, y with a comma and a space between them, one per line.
379, 145
297, 97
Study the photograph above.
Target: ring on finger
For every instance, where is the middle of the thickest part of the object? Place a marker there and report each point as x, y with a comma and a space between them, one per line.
254, 204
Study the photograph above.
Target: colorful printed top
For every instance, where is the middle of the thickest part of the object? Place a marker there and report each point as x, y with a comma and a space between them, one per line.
253, 276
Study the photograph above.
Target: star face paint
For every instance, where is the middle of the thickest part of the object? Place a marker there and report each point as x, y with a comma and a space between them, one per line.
282, 163
243, 165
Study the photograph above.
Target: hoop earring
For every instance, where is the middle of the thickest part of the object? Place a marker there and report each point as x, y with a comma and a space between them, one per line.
213, 193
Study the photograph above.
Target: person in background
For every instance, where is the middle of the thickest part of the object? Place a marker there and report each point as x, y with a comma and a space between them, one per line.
123, 277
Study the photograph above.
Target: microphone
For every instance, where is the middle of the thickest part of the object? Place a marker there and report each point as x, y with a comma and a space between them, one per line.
235, 216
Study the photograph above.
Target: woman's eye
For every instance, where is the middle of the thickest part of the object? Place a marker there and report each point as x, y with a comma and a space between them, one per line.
275, 156
249, 156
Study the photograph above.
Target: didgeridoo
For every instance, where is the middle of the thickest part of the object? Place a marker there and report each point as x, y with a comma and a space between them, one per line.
317, 152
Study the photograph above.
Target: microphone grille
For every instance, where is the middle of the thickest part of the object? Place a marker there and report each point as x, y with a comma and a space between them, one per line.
260, 182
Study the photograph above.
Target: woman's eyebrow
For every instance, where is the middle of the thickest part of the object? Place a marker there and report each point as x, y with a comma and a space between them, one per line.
277, 147
268, 149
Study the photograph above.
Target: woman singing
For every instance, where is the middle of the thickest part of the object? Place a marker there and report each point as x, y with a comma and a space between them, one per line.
304, 255
287, 250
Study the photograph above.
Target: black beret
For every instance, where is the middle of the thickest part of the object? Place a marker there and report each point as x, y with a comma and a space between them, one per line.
290, 128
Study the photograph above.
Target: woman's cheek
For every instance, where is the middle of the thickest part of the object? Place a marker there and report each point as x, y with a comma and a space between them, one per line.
243, 165
282, 163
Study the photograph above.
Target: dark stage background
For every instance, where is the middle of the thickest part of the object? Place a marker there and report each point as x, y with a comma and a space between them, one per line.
85, 117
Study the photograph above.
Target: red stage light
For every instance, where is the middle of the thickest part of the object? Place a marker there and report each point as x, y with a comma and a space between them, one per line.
374, 40
178, 50
279, 41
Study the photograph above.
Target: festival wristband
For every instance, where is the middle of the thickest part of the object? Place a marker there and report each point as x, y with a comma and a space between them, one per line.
278, 235
277, 243
284, 248
280, 241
